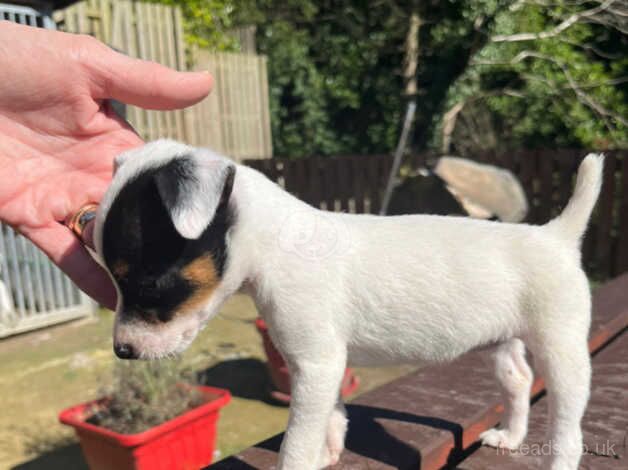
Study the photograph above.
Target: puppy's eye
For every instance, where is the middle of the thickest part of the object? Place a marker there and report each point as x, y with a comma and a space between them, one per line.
150, 315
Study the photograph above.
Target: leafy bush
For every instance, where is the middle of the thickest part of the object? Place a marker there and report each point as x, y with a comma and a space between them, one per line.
145, 394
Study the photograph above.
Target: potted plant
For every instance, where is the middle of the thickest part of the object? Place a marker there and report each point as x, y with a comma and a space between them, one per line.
148, 419
278, 370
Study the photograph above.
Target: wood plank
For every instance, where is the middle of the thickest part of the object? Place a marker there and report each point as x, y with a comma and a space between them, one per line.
358, 182
129, 28
104, 8
546, 187
257, 102
372, 179
290, 178
506, 160
622, 252
117, 26
167, 33
160, 57
385, 164
151, 130
138, 117
567, 162
239, 92
268, 145
315, 181
527, 177
189, 131
331, 182
604, 216
249, 110
344, 183
81, 17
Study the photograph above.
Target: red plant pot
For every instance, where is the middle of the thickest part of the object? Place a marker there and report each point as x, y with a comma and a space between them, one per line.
185, 442
278, 370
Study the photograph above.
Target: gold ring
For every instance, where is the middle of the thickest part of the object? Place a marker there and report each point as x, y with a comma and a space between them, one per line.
81, 218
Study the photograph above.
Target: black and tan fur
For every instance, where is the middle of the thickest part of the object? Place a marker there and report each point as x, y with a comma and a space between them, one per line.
160, 273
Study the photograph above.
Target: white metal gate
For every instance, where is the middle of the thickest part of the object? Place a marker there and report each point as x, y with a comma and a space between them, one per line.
33, 292
26, 15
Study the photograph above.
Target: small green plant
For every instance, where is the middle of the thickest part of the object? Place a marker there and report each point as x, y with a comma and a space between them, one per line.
145, 394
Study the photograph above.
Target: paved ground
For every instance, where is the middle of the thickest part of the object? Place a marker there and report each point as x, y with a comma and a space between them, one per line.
43, 372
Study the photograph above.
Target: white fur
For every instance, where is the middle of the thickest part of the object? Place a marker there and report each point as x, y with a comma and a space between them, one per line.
338, 289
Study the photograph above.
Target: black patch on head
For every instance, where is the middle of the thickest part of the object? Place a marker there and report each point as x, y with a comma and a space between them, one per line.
139, 232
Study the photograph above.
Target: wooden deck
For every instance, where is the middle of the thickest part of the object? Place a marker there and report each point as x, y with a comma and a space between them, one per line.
605, 423
432, 418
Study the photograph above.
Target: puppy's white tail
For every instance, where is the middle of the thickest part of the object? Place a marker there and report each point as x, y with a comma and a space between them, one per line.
572, 222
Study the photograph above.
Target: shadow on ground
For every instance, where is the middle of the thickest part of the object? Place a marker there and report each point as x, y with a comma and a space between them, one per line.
68, 457
244, 378
368, 438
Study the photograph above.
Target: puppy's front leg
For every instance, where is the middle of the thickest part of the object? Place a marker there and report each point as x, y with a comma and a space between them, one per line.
315, 386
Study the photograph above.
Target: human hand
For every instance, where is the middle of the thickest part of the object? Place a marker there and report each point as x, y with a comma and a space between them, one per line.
58, 135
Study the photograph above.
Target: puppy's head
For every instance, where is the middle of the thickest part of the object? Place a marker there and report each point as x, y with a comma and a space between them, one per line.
161, 231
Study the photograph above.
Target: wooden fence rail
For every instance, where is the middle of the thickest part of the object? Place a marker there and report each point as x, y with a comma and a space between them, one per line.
356, 184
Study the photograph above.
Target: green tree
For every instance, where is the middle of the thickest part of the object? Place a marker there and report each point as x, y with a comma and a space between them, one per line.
547, 76
334, 73
207, 22
335, 68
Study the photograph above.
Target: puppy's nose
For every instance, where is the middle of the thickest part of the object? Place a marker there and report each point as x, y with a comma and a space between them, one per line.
124, 351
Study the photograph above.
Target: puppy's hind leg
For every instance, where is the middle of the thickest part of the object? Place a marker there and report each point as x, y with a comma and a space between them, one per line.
562, 355
515, 379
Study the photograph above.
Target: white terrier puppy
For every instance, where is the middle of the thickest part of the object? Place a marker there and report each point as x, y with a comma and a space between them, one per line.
181, 229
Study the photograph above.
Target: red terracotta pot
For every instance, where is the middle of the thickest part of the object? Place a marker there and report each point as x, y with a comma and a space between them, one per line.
185, 442
278, 370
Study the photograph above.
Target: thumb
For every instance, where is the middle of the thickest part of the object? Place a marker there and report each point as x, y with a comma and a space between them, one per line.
143, 83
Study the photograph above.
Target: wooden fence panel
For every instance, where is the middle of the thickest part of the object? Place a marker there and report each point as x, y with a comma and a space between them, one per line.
234, 119
350, 184
359, 178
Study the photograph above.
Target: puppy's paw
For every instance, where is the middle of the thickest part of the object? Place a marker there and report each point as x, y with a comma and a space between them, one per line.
500, 438
329, 457
335, 441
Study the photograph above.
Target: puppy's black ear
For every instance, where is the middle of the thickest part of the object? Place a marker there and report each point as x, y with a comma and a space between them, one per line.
193, 189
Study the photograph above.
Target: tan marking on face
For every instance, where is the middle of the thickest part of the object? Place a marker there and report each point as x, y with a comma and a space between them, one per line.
203, 275
120, 268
